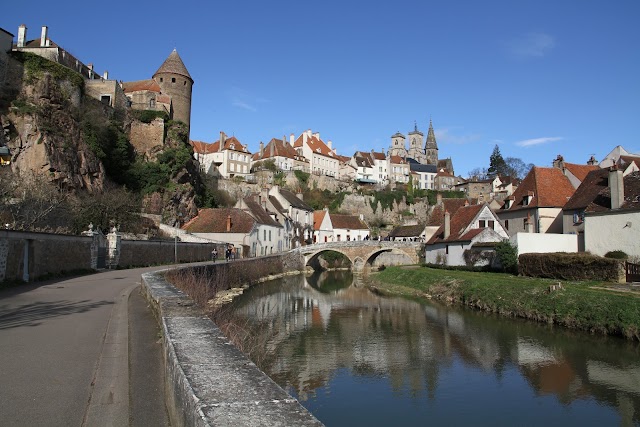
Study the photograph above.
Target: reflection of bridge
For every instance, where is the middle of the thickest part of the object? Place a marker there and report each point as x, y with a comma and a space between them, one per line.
363, 253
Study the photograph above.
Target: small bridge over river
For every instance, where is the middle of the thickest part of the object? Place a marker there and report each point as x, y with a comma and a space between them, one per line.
363, 254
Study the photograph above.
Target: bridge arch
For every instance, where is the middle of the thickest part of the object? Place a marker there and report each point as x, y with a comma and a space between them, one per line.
313, 260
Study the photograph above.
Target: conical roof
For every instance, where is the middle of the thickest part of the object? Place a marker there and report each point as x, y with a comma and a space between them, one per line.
431, 137
173, 65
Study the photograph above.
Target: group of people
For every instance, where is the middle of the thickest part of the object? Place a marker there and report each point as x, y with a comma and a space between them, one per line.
230, 253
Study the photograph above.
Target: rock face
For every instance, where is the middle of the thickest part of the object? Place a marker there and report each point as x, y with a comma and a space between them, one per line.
42, 130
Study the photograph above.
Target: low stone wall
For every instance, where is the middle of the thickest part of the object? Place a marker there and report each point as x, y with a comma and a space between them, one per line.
208, 380
45, 254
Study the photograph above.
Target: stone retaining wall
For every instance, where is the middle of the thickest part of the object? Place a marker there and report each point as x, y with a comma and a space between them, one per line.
208, 380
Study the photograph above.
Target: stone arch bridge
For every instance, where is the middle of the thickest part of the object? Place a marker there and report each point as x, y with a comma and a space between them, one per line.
364, 253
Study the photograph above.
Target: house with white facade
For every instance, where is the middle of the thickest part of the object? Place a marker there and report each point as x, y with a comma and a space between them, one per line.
346, 171
466, 237
338, 228
322, 157
299, 213
399, 170
424, 175
620, 157
365, 171
227, 157
271, 236
231, 225
605, 212
536, 205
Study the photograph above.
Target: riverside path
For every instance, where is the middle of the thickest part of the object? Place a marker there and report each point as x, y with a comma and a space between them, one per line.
80, 351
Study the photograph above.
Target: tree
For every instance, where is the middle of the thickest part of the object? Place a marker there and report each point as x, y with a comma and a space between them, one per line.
497, 165
516, 168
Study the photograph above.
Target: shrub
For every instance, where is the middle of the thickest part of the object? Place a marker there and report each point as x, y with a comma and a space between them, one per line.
616, 255
570, 266
147, 116
507, 255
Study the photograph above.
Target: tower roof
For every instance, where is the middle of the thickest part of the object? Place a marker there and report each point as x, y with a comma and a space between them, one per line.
173, 65
415, 130
431, 137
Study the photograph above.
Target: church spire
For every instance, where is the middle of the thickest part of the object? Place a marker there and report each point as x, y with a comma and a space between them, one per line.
431, 137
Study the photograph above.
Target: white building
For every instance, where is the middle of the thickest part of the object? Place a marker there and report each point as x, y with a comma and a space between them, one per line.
226, 157
322, 158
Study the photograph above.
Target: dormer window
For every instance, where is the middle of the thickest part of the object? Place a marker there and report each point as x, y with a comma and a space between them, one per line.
232, 146
528, 198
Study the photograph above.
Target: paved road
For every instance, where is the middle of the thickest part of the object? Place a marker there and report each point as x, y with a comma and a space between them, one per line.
80, 352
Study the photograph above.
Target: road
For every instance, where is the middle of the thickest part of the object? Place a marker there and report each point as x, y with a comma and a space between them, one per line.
81, 351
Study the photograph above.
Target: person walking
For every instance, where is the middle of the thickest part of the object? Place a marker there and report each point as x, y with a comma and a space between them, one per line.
214, 254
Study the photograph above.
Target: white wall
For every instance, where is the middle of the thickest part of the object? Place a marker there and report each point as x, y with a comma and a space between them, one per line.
544, 243
615, 231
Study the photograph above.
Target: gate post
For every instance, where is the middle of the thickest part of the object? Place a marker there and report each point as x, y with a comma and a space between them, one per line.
95, 245
115, 242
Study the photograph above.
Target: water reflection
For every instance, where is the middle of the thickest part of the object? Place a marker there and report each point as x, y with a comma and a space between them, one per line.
329, 341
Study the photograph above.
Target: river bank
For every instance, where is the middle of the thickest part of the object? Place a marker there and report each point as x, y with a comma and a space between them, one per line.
591, 306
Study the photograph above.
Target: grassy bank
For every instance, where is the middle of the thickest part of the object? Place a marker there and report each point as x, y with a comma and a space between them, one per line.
580, 305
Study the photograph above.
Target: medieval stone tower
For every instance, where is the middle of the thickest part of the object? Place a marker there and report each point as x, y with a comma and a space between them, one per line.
431, 147
174, 80
415, 145
398, 147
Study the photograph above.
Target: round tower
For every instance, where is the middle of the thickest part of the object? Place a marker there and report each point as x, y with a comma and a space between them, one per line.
174, 80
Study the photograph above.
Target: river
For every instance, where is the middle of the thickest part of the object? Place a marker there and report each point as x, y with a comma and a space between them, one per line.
354, 358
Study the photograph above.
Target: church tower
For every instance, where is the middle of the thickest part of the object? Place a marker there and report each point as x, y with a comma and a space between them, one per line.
415, 145
174, 80
398, 147
431, 147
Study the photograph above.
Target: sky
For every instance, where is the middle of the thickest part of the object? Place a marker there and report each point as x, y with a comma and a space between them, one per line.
537, 78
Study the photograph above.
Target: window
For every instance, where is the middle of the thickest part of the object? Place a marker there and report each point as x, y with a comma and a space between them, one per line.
161, 79
578, 217
269, 235
482, 223
173, 79
152, 103
446, 250
491, 225
265, 235
105, 99
506, 224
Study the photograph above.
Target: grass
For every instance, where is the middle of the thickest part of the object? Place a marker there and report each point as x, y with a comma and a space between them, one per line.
580, 305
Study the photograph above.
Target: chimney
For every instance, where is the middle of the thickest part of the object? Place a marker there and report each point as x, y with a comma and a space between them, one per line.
438, 199
592, 161
272, 150
43, 36
317, 135
330, 144
292, 139
90, 67
559, 162
261, 149
447, 224
305, 135
223, 138
299, 194
105, 75
616, 187
529, 224
284, 140
22, 35
228, 223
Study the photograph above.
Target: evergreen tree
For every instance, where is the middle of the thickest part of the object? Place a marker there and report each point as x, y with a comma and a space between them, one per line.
497, 165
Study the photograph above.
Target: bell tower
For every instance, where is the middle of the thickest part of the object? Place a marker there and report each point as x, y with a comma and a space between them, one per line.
431, 147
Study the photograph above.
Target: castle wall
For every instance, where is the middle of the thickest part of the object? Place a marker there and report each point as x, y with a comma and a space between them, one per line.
180, 92
147, 138
6, 40
97, 88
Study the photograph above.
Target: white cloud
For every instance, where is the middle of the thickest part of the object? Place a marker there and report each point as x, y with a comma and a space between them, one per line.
241, 104
538, 141
243, 99
445, 135
531, 45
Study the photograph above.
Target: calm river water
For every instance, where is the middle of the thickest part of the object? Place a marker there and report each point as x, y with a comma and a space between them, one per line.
353, 358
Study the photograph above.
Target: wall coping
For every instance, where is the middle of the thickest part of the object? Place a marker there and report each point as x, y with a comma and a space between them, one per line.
208, 380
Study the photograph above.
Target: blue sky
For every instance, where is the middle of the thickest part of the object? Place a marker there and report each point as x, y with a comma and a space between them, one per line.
538, 78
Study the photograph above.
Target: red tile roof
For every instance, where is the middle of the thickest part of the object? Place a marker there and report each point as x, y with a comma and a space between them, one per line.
315, 144
258, 212
407, 231
280, 149
201, 147
458, 223
227, 145
318, 217
449, 205
397, 160
594, 194
580, 171
350, 222
140, 85
549, 186
215, 221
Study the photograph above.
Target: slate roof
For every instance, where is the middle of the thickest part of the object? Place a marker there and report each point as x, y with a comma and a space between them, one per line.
215, 221
280, 149
294, 200
259, 213
140, 85
350, 222
407, 231
173, 65
549, 186
363, 162
276, 204
459, 221
449, 205
594, 194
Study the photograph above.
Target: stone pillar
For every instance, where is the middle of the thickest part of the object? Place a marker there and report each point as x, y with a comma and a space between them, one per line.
95, 244
115, 242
